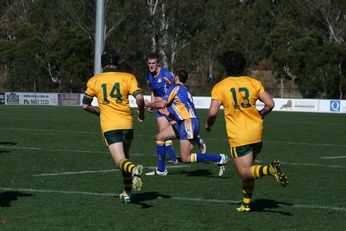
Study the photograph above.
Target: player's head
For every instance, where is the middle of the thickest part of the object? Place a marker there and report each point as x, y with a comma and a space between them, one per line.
153, 62
233, 62
109, 57
182, 75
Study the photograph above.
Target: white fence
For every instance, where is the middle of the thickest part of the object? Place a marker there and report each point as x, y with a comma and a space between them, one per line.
71, 99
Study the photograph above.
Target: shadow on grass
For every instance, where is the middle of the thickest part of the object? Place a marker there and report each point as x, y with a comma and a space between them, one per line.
7, 197
197, 172
141, 198
265, 205
7, 143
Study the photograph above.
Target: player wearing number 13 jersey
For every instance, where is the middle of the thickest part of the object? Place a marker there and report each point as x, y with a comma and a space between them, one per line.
238, 94
112, 88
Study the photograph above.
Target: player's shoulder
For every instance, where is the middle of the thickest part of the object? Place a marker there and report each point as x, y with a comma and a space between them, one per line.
166, 72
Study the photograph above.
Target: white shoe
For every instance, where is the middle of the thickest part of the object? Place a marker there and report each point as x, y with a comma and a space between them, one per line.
174, 162
222, 164
125, 198
157, 173
136, 178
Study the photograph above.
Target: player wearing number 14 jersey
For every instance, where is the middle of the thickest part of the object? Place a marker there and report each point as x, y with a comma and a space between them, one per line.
238, 93
112, 88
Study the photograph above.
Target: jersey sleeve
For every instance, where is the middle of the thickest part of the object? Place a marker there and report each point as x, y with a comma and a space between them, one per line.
260, 88
90, 88
169, 78
171, 93
134, 87
216, 93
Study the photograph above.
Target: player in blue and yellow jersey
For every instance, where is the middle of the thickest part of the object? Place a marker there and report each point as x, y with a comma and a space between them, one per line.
180, 103
159, 80
112, 88
238, 93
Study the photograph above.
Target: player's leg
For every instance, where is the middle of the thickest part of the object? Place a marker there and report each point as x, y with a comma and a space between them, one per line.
243, 161
163, 122
119, 143
188, 131
259, 170
166, 134
201, 143
243, 165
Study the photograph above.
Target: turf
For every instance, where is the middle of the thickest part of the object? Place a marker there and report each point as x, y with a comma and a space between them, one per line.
56, 174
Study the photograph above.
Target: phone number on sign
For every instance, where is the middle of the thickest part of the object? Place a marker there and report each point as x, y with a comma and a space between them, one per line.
37, 101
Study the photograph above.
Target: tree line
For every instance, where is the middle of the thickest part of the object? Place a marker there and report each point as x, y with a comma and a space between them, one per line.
48, 45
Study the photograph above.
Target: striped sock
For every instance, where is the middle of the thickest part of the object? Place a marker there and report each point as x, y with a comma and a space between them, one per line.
161, 156
247, 189
260, 170
202, 157
127, 166
170, 150
127, 179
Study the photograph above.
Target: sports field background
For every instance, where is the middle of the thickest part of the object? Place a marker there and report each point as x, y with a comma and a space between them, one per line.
56, 174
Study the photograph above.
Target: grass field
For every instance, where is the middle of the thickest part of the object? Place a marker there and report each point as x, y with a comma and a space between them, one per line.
56, 174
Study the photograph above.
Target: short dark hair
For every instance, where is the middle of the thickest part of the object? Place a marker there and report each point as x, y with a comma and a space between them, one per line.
153, 56
233, 62
182, 75
109, 57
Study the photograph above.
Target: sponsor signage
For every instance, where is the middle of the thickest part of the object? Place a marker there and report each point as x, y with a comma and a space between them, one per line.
72, 99
69, 99
27, 98
335, 106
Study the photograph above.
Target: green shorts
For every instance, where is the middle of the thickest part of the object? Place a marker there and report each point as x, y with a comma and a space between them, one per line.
243, 150
116, 136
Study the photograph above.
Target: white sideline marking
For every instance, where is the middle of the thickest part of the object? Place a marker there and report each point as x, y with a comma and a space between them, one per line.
306, 164
342, 209
98, 171
142, 154
308, 144
61, 150
49, 130
210, 138
316, 165
333, 157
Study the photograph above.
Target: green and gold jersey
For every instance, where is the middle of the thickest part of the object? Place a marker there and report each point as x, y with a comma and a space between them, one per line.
112, 90
238, 96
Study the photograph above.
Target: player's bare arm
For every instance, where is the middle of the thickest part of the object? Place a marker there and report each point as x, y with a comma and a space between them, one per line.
212, 115
158, 103
140, 104
268, 101
86, 105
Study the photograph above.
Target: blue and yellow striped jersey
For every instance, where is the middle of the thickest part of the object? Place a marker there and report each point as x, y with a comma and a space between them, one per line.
180, 102
160, 83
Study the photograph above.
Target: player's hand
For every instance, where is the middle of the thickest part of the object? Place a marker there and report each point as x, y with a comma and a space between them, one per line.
207, 128
164, 111
140, 118
146, 103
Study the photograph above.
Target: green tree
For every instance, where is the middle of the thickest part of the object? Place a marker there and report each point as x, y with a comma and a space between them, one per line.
21, 55
69, 60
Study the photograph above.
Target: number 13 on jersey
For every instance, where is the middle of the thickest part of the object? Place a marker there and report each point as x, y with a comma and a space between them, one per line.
243, 100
